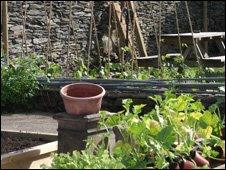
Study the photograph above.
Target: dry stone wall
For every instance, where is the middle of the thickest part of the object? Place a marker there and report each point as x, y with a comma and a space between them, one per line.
37, 27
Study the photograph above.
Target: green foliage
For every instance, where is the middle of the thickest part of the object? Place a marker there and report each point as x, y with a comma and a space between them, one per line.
165, 132
18, 82
81, 70
125, 71
98, 158
53, 70
18, 79
125, 49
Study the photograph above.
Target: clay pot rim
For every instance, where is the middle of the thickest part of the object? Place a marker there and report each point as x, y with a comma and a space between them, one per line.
82, 98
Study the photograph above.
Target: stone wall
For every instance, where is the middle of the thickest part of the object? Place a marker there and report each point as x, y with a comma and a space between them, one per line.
37, 30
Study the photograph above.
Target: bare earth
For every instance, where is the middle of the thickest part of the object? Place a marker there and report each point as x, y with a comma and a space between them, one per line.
31, 122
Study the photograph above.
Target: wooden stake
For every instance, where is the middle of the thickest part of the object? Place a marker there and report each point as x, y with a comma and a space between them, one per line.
5, 29
90, 36
109, 35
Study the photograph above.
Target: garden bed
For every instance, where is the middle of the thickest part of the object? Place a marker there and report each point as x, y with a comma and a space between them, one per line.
15, 140
26, 150
10, 144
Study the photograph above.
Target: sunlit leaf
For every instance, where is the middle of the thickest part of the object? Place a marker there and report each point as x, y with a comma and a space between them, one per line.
196, 115
138, 108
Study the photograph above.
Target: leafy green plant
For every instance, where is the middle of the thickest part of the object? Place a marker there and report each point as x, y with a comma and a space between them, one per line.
81, 69
53, 70
168, 131
125, 70
125, 49
153, 139
97, 158
18, 82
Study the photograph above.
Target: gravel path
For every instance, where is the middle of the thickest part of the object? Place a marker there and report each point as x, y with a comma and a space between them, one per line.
30, 122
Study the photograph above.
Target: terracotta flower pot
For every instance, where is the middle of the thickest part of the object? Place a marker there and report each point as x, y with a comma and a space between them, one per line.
186, 164
199, 159
82, 98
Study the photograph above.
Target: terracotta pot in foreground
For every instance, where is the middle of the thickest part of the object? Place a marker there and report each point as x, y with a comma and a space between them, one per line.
186, 164
82, 98
199, 159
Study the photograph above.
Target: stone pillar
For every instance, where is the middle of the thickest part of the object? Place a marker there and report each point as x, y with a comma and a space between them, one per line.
74, 129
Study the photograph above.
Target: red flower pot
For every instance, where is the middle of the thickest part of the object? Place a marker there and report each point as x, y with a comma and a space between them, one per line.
82, 98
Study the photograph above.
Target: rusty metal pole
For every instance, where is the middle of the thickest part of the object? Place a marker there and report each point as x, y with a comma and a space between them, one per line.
5, 29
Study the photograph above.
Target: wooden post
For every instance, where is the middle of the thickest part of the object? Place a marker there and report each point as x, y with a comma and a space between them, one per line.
205, 22
5, 29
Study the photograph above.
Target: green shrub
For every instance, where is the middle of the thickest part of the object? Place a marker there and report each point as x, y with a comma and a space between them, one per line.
18, 82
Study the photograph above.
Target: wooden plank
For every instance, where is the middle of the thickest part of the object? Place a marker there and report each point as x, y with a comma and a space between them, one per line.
148, 57
26, 157
32, 163
138, 33
198, 35
220, 58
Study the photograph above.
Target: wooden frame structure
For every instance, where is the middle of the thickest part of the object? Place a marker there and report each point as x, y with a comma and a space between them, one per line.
122, 28
200, 40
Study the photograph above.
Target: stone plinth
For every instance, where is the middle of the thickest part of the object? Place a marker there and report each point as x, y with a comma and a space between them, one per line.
73, 130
